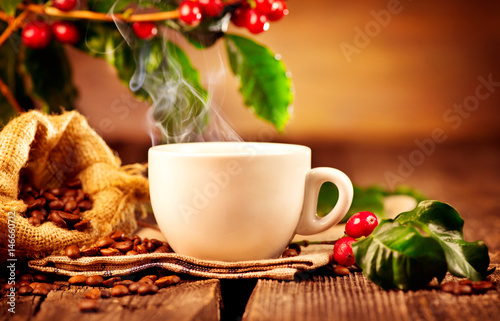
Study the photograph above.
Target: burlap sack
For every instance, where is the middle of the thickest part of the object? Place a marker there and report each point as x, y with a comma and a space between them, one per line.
50, 150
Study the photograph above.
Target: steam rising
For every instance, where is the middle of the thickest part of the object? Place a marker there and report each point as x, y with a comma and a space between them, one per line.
179, 112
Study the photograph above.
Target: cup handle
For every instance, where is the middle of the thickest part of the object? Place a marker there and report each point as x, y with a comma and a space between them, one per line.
310, 222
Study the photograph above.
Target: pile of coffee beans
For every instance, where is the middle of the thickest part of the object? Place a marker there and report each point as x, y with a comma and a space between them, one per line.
467, 287
149, 284
116, 243
62, 206
33, 284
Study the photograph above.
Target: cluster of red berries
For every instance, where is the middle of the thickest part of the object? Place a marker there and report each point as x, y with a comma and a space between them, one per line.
360, 224
253, 15
38, 34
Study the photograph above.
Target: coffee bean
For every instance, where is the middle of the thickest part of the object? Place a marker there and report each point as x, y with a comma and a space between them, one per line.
25, 290
157, 243
481, 286
70, 206
104, 242
289, 253
463, 289
67, 198
131, 253
55, 191
145, 289
77, 279
38, 214
141, 249
152, 277
56, 205
150, 246
163, 249
24, 283
35, 221
57, 220
95, 280
72, 252
465, 282
82, 225
80, 196
341, 270
146, 280
124, 246
89, 305
85, 205
69, 218
119, 290
449, 287
105, 293
116, 236
111, 281
89, 251
93, 294
127, 283
134, 286
41, 290
49, 196
8, 286
110, 252
27, 277
167, 280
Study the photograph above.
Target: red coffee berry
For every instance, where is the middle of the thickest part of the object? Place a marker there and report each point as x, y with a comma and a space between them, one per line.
361, 224
36, 34
256, 22
65, 5
239, 16
211, 8
342, 251
190, 12
278, 11
265, 6
146, 30
65, 32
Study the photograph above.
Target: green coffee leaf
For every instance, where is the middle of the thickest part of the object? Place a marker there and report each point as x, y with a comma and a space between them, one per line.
398, 256
265, 86
9, 6
444, 224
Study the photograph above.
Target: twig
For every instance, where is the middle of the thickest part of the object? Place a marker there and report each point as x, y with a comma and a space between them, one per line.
10, 98
12, 27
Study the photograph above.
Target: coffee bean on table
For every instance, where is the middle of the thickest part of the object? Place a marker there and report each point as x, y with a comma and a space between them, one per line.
24, 283
41, 277
73, 252
167, 280
25, 290
463, 289
134, 286
146, 288
95, 280
41, 289
89, 305
341, 270
93, 294
111, 281
119, 290
152, 277
27, 277
105, 293
77, 279
124, 282
482, 286
289, 253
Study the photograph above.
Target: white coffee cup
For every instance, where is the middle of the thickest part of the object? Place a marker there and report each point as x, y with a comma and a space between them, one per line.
234, 201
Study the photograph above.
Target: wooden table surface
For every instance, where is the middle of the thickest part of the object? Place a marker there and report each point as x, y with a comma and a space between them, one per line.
466, 176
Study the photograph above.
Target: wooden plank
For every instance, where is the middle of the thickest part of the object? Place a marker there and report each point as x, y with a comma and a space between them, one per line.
189, 301
356, 298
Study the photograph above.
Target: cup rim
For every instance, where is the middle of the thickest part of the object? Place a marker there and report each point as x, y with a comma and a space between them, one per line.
245, 149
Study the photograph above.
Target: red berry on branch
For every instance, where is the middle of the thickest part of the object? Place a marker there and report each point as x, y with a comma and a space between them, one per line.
190, 12
239, 16
342, 251
211, 8
265, 6
65, 32
361, 224
256, 22
279, 11
146, 30
65, 5
36, 35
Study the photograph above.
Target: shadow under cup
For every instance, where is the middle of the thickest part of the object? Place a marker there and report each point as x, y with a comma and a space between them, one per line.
228, 201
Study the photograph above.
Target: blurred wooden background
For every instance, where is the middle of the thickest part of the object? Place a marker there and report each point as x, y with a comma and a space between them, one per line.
398, 83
